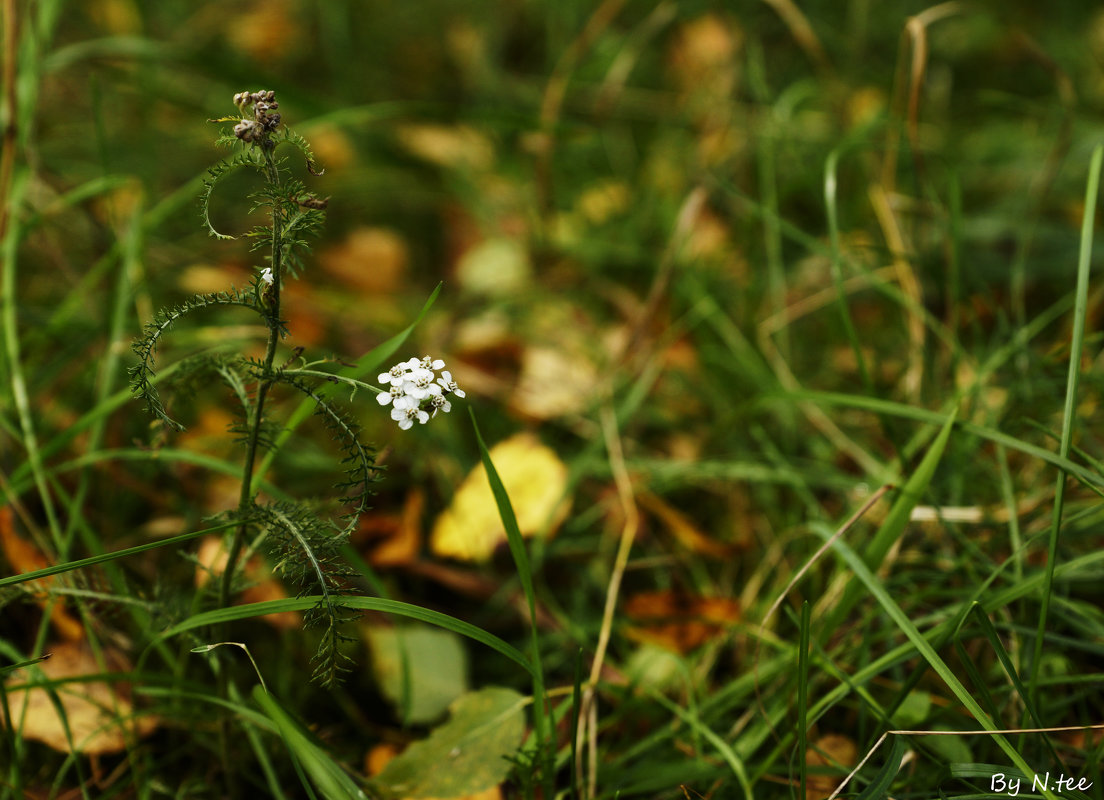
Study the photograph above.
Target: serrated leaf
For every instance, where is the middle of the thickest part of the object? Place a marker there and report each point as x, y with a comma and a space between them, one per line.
467, 754
438, 668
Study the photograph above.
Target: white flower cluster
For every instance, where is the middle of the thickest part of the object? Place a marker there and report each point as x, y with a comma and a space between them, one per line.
415, 392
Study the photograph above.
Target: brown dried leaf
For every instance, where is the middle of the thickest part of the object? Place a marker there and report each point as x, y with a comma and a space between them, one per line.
831, 749
370, 260
99, 716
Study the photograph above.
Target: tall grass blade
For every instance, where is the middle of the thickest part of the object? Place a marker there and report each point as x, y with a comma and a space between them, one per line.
803, 700
328, 776
923, 646
894, 525
397, 607
879, 786
542, 726
1069, 412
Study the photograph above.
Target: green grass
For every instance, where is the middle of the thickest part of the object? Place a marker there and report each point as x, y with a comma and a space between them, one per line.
796, 257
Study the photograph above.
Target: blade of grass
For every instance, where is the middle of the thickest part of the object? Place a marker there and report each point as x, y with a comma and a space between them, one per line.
893, 527
250, 610
20, 399
879, 406
69, 566
23, 664
541, 727
1069, 417
576, 730
272, 779
328, 776
695, 723
924, 647
803, 700
879, 786
1005, 659
830, 205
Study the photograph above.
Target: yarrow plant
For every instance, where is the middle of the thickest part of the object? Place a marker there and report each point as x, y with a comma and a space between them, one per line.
304, 545
415, 392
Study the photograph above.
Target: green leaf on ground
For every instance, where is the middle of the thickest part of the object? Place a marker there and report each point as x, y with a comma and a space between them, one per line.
437, 663
467, 754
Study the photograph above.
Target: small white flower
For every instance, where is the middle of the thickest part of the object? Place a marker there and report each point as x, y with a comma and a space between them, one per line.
394, 376
406, 416
266, 275
395, 394
419, 384
439, 403
428, 362
449, 385
414, 391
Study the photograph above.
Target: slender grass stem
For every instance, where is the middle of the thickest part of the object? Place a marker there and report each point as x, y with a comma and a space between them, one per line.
1069, 415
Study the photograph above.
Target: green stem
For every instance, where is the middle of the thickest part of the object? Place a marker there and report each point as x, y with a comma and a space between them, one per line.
245, 500
272, 174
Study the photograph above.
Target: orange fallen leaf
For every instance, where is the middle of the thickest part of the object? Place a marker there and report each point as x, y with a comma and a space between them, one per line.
678, 622
680, 526
22, 556
370, 260
831, 749
265, 31
99, 716
401, 536
212, 556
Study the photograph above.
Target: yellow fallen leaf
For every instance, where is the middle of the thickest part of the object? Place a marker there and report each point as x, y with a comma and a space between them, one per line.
470, 528
495, 267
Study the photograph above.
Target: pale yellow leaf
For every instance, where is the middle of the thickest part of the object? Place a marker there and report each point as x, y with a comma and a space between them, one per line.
470, 528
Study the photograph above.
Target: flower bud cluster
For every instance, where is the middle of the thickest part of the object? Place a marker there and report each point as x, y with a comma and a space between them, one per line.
415, 392
257, 105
